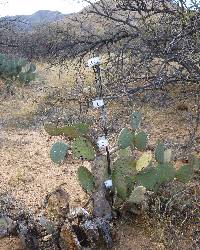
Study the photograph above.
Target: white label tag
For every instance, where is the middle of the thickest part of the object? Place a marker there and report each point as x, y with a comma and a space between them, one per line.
108, 183
98, 103
102, 142
93, 62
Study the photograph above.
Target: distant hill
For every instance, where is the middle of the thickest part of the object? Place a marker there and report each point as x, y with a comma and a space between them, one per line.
28, 22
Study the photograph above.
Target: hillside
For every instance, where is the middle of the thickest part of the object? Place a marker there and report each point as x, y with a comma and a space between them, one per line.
28, 22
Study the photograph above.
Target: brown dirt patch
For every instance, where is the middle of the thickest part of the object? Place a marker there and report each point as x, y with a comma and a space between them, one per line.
27, 172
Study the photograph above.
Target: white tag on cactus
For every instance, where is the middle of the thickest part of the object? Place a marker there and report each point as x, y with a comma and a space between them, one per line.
108, 183
98, 103
94, 61
102, 142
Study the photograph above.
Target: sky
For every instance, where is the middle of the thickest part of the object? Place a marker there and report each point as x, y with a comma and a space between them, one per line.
27, 7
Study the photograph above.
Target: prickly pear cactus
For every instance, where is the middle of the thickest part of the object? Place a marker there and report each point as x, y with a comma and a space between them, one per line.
138, 195
86, 179
82, 128
152, 177
124, 152
52, 130
147, 178
140, 140
167, 155
125, 138
165, 173
136, 120
162, 155
13, 68
184, 173
144, 161
71, 131
82, 148
120, 185
58, 152
123, 176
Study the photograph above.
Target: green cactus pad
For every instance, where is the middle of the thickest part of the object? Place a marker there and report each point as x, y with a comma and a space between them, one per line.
86, 179
70, 131
167, 155
123, 176
165, 173
140, 140
159, 152
58, 152
124, 152
144, 161
120, 186
125, 138
82, 128
136, 120
162, 155
194, 162
52, 130
26, 77
147, 178
30, 77
82, 148
22, 77
138, 195
184, 174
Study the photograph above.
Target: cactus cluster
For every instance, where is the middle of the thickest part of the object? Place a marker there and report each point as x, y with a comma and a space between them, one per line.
149, 171
131, 176
16, 69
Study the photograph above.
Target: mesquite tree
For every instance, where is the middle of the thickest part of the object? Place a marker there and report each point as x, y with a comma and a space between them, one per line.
151, 42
